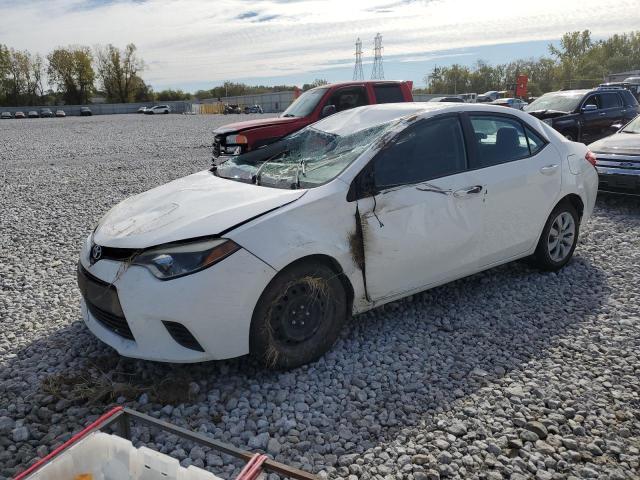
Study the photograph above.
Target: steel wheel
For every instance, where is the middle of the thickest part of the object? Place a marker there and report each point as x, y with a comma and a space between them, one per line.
561, 237
298, 313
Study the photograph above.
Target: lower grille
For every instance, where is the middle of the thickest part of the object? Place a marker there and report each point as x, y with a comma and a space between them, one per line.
182, 335
103, 303
114, 323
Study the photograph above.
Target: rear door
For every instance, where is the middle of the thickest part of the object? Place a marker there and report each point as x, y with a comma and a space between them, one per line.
612, 107
522, 175
417, 232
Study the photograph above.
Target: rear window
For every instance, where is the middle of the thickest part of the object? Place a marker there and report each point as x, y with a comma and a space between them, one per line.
388, 93
628, 98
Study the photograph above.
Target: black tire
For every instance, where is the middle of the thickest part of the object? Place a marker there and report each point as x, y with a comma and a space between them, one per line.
166, 112
544, 257
304, 292
570, 136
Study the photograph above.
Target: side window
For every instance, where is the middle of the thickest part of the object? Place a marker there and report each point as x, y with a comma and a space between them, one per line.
592, 100
535, 141
610, 100
347, 98
388, 93
499, 139
424, 151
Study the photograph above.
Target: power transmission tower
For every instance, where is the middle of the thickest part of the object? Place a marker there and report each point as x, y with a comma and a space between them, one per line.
357, 70
378, 70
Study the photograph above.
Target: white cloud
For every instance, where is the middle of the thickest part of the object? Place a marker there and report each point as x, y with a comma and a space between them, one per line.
203, 40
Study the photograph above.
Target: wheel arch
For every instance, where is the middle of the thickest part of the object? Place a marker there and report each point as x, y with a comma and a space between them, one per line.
334, 265
575, 201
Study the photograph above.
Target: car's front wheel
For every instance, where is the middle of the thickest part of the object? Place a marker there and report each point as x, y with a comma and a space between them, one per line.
559, 238
298, 316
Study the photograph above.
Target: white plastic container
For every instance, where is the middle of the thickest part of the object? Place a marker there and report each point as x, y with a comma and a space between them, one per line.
109, 457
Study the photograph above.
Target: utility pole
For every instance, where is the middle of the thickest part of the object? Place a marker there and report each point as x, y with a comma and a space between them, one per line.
378, 70
357, 69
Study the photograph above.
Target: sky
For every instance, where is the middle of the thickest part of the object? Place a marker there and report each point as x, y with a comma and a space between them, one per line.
197, 44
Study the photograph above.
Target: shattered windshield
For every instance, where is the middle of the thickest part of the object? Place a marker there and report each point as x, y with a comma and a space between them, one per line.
560, 102
305, 103
304, 159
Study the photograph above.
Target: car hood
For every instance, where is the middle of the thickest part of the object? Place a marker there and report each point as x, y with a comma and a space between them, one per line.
257, 123
542, 114
190, 207
619, 144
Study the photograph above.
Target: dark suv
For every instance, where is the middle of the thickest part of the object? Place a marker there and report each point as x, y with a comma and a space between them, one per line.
585, 115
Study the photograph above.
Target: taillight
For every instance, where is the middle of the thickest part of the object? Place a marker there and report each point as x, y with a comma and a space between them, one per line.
591, 157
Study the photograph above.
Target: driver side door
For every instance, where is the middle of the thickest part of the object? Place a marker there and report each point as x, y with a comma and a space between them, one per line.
422, 228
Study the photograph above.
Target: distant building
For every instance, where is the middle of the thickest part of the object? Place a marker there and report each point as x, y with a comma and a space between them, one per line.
619, 77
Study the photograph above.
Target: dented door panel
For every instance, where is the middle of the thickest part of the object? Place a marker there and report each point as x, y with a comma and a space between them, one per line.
417, 237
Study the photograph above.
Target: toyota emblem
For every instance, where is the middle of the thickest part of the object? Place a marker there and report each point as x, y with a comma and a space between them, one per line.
96, 253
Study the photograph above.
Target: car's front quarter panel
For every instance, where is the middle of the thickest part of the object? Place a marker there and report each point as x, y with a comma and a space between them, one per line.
215, 305
322, 222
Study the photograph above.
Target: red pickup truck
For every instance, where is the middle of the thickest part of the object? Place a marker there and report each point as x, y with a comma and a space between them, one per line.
311, 106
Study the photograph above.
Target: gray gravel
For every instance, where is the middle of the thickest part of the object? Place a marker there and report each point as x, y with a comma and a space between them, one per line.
511, 373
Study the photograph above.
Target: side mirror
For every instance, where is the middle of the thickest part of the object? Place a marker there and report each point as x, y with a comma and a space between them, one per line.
328, 110
590, 108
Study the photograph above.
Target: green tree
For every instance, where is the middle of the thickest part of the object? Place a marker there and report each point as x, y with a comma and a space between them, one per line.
71, 70
117, 71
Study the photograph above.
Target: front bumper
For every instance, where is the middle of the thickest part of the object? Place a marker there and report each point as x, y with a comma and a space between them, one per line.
619, 173
214, 306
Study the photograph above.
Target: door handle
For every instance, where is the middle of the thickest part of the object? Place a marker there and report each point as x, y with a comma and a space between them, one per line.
602, 114
549, 169
468, 191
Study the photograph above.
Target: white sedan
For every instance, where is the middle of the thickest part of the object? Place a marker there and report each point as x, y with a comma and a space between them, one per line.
272, 251
156, 109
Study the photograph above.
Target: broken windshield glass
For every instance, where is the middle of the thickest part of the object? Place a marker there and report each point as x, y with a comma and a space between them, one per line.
304, 159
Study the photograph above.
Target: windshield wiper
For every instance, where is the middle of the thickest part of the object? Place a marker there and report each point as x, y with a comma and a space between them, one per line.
288, 115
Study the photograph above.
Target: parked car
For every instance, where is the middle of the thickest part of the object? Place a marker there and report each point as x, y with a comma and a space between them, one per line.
619, 160
450, 99
585, 115
33, 114
6, 115
142, 110
60, 113
310, 107
46, 113
253, 109
510, 102
157, 109
270, 252
85, 112
489, 96
19, 115
229, 109
632, 84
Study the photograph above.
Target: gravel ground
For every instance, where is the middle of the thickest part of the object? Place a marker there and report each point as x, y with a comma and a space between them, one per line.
511, 373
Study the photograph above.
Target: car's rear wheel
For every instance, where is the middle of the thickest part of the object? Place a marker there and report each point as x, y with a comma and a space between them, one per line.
559, 238
298, 316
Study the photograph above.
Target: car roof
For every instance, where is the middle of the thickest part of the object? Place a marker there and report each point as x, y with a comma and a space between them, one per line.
360, 82
368, 116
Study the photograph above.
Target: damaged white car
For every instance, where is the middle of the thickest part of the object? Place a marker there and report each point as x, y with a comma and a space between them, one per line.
270, 253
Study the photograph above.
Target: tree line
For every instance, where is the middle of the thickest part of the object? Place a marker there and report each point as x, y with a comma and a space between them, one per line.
578, 62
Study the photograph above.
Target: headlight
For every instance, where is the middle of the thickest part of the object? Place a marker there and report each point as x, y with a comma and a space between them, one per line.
548, 121
174, 261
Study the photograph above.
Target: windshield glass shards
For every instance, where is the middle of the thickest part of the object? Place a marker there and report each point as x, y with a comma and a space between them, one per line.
304, 159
